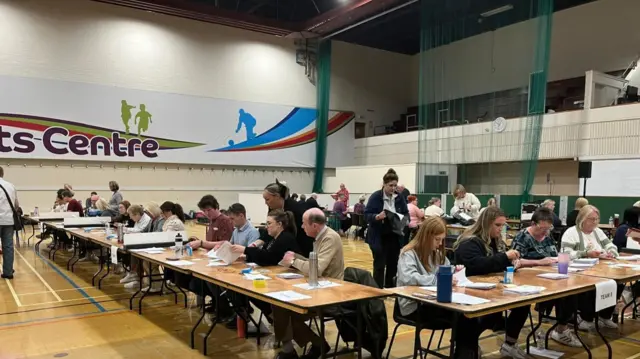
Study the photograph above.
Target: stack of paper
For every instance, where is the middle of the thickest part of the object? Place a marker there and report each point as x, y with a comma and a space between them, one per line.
581, 265
463, 281
525, 289
181, 263
630, 258
553, 276
212, 254
592, 261
624, 265
251, 276
288, 296
152, 250
290, 275
321, 284
460, 298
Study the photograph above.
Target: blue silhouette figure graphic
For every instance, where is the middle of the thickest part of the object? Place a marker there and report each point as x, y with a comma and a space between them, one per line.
249, 123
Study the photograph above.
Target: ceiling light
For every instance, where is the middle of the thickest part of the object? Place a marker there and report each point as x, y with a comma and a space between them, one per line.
497, 10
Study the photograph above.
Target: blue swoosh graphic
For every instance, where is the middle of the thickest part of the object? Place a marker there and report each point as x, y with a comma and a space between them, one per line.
296, 121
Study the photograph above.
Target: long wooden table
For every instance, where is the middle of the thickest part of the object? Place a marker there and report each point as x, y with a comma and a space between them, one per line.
501, 301
230, 277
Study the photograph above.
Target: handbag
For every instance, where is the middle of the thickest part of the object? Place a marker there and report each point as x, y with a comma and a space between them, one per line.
17, 219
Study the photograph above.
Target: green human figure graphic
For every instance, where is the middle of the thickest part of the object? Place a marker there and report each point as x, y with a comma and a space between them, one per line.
125, 114
145, 119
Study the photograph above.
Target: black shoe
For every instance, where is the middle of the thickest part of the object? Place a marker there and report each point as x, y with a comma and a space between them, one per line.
7, 276
226, 318
283, 355
314, 351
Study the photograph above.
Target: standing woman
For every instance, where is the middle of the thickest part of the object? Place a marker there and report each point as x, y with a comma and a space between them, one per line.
276, 196
383, 241
116, 197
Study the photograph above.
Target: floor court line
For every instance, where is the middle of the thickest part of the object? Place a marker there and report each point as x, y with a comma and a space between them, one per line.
46, 284
13, 292
55, 268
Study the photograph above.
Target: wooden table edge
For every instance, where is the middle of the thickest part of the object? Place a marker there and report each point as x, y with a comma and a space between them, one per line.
500, 308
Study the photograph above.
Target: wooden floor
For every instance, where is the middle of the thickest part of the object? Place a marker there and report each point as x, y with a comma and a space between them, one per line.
48, 312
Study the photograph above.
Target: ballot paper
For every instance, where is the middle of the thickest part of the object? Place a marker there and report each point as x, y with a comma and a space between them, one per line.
212, 254
290, 275
463, 281
152, 250
321, 284
181, 263
251, 276
460, 298
630, 258
592, 261
525, 289
288, 296
226, 254
554, 276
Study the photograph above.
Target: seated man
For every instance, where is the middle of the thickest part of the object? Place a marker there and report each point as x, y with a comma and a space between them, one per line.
537, 248
288, 325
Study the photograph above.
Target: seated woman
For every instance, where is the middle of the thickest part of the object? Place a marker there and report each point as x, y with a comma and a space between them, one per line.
586, 240
417, 266
157, 220
142, 222
434, 208
173, 217
281, 226
481, 250
123, 214
537, 248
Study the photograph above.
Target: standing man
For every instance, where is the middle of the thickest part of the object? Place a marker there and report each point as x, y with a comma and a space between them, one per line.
7, 201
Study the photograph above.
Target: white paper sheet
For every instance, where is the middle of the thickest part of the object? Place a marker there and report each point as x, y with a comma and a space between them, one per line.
147, 250
581, 265
181, 263
430, 288
553, 276
525, 289
290, 275
321, 284
226, 254
606, 294
460, 298
463, 281
217, 264
212, 254
288, 296
251, 276
630, 258
592, 261
114, 254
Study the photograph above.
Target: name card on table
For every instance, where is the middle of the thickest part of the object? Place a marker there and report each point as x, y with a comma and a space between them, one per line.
606, 294
114, 254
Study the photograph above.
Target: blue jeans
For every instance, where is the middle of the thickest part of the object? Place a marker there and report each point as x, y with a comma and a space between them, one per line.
6, 235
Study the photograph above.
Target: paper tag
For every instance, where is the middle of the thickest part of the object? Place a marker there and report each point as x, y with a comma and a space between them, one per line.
606, 294
114, 254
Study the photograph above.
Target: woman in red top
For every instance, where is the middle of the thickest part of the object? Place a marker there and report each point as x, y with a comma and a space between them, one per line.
220, 226
73, 205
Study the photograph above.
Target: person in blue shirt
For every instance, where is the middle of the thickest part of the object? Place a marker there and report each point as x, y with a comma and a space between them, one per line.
244, 233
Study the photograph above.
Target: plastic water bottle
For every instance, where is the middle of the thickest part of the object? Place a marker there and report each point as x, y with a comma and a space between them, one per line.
313, 269
178, 246
36, 212
611, 220
107, 229
445, 284
508, 275
540, 340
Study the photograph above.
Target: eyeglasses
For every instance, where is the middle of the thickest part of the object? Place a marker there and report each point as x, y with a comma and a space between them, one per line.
546, 229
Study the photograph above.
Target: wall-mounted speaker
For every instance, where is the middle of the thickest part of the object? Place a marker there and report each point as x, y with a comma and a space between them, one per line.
584, 169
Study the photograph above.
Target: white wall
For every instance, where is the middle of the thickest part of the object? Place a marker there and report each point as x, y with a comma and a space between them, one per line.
367, 179
375, 84
92, 42
601, 35
614, 178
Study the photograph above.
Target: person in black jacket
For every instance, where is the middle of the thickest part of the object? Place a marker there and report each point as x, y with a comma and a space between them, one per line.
383, 241
281, 227
573, 215
276, 196
482, 251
